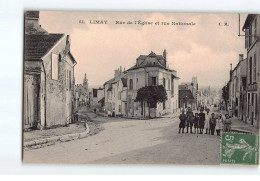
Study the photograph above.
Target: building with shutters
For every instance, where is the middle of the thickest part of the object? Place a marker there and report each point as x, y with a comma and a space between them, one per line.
149, 70
237, 89
115, 91
252, 45
48, 76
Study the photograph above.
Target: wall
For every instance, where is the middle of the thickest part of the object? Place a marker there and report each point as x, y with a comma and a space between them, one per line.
56, 105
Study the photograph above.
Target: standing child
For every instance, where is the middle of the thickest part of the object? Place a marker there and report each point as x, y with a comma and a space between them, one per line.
212, 123
201, 120
196, 123
227, 123
189, 121
219, 125
207, 127
183, 119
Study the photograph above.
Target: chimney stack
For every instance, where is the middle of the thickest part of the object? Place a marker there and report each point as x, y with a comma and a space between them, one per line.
32, 25
165, 56
241, 57
230, 73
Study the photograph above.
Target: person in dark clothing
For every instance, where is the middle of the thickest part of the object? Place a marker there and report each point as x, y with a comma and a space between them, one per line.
212, 123
183, 119
190, 116
196, 123
201, 121
76, 116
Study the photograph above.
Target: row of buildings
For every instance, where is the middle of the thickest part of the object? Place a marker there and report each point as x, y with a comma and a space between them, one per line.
48, 76
244, 83
149, 70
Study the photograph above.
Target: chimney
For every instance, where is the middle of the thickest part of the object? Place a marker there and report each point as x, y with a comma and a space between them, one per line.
241, 57
165, 56
120, 69
230, 73
32, 25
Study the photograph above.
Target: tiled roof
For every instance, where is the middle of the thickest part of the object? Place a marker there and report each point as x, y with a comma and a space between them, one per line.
185, 94
36, 46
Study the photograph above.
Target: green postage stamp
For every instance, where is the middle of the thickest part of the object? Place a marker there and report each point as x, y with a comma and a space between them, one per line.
239, 149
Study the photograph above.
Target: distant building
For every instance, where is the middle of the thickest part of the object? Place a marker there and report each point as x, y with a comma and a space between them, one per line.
150, 70
186, 99
115, 91
82, 94
193, 88
237, 89
252, 44
85, 82
95, 98
48, 76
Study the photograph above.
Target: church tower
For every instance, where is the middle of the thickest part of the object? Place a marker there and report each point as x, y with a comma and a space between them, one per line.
85, 82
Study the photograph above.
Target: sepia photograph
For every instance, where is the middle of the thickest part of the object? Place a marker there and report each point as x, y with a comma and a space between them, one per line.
141, 88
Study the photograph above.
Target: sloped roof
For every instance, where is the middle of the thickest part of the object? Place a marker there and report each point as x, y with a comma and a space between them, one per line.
185, 94
36, 46
124, 81
249, 19
151, 60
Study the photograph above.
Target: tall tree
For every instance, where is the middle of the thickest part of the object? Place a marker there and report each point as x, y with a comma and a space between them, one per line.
225, 94
152, 95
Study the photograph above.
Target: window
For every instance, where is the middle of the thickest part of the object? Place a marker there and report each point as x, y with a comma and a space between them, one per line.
172, 87
131, 84
163, 82
54, 66
169, 84
163, 105
94, 92
153, 80
250, 70
254, 69
250, 35
136, 80
254, 29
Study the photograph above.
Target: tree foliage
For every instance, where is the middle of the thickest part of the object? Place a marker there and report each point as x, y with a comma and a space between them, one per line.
152, 95
225, 93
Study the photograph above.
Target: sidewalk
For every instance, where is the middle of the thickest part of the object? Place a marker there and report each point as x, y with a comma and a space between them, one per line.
240, 126
46, 137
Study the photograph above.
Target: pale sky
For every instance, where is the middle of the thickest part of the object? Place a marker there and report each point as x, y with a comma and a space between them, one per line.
204, 50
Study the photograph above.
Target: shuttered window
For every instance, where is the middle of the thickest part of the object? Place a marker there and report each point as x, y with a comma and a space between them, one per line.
54, 66
254, 68
131, 84
247, 38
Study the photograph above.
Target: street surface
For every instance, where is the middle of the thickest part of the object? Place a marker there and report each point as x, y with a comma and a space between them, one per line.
129, 141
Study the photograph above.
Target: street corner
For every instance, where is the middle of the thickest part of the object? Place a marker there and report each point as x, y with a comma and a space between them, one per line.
239, 149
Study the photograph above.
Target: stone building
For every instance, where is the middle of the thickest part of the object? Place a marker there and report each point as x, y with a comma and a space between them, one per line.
252, 44
193, 88
149, 70
95, 98
237, 89
48, 76
115, 91
81, 93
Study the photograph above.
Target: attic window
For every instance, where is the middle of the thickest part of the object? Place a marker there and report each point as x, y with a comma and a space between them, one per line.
54, 66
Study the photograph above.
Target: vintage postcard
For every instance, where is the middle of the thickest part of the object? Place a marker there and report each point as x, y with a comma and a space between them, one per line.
141, 88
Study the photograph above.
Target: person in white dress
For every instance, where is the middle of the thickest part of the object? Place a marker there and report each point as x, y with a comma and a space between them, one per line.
219, 124
207, 126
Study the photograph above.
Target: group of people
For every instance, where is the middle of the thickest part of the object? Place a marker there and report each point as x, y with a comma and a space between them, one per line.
201, 120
